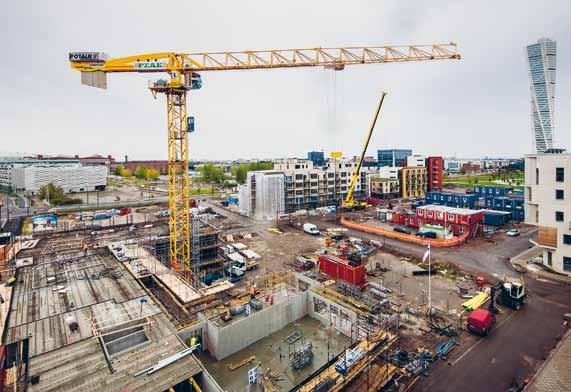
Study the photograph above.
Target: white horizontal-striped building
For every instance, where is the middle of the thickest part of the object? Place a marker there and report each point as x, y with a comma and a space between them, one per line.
71, 178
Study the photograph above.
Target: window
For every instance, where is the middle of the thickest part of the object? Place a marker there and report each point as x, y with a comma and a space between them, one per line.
559, 195
559, 174
559, 216
567, 239
536, 176
549, 258
566, 263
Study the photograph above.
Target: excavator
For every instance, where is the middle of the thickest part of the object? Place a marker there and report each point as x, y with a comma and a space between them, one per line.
350, 203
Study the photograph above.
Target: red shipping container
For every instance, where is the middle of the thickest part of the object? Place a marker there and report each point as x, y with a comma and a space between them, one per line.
124, 211
339, 268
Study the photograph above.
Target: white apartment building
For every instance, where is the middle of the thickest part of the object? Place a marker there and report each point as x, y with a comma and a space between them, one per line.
392, 173
71, 178
309, 187
548, 205
416, 161
263, 195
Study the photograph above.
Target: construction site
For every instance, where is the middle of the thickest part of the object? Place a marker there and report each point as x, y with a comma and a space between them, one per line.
192, 295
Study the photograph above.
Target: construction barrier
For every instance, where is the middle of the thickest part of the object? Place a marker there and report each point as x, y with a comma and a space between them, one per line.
437, 243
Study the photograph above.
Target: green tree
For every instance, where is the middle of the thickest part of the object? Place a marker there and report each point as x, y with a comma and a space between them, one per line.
212, 174
240, 172
141, 172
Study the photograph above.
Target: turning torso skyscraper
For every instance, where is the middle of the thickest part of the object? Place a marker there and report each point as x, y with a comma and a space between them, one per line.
542, 58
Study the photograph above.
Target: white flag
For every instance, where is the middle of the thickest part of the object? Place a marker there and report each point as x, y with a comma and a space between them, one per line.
426, 254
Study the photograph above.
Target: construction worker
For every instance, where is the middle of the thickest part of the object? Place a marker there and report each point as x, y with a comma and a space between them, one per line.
193, 341
253, 290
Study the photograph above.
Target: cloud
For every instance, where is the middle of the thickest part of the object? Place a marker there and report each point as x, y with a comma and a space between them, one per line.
477, 106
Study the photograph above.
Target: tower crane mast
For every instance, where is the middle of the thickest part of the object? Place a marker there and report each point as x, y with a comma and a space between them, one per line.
183, 71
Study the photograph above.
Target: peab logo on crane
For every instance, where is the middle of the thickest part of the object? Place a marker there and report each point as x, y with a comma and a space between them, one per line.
150, 65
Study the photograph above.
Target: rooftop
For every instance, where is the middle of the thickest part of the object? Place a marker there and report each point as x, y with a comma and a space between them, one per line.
90, 309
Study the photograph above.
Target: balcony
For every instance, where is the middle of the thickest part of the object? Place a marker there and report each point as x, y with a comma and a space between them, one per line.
547, 236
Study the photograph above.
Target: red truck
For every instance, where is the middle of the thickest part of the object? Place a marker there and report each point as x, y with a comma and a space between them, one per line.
481, 321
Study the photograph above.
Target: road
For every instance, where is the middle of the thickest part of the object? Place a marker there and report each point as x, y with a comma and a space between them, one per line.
522, 340
514, 350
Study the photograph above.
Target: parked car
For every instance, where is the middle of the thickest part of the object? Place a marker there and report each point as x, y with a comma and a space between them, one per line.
402, 230
513, 233
426, 234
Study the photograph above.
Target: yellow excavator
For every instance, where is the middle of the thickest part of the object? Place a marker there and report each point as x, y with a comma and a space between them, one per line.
349, 203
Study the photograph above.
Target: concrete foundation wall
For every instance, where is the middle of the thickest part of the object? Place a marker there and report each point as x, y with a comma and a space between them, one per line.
340, 318
227, 340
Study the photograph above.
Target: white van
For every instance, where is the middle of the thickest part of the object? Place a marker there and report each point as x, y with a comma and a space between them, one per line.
310, 228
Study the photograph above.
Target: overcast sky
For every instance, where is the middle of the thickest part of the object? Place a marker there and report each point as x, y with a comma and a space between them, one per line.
474, 107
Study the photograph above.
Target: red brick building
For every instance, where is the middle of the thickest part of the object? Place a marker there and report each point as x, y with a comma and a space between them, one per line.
434, 167
161, 166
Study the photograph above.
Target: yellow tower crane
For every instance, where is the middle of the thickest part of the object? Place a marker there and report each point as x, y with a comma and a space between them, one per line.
183, 75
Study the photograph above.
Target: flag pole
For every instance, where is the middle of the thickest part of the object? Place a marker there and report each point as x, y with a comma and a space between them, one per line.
429, 279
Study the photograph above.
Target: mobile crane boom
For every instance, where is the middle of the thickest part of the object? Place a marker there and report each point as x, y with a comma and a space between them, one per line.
183, 70
349, 201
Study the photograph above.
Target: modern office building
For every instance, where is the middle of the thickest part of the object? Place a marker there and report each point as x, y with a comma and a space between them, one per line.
548, 206
8, 164
542, 59
413, 182
317, 157
263, 195
392, 157
71, 178
434, 168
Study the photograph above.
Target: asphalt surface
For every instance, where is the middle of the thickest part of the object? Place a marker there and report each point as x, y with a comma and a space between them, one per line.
521, 340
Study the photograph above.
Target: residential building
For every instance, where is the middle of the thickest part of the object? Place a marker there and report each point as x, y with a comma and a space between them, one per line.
308, 186
370, 162
548, 205
392, 157
390, 172
415, 161
542, 59
384, 188
263, 195
71, 178
434, 167
413, 182
469, 167
317, 157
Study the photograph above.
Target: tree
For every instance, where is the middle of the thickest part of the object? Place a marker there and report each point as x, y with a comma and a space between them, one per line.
123, 171
210, 173
240, 172
152, 174
141, 172
55, 195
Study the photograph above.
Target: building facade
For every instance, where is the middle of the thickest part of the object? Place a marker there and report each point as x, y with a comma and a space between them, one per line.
542, 59
413, 182
308, 186
7, 166
434, 168
262, 197
415, 161
548, 206
71, 178
317, 157
392, 157
384, 188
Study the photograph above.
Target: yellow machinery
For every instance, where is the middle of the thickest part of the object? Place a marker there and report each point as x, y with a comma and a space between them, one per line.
350, 203
183, 76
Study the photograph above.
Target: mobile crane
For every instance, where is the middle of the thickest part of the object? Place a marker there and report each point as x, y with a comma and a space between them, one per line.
183, 70
350, 203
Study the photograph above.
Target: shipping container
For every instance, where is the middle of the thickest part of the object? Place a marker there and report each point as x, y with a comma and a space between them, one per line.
496, 218
339, 268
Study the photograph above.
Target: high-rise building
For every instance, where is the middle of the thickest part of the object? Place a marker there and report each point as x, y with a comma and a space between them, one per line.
317, 157
547, 194
542, 65
392, 157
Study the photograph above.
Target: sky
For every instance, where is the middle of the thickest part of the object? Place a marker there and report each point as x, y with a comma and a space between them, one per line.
478, 106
